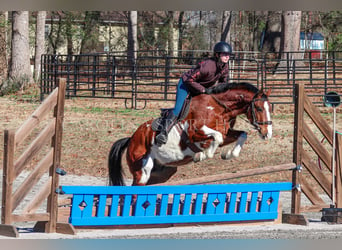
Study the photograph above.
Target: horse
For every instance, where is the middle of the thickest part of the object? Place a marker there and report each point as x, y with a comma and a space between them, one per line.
207, 126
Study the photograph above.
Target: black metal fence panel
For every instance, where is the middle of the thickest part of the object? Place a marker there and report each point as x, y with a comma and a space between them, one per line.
154, 75
319, 72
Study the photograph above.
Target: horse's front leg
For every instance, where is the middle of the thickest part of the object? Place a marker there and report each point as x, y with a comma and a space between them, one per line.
234, 135
209, 151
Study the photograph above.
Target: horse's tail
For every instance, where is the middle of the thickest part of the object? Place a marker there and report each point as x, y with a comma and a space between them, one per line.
114, 162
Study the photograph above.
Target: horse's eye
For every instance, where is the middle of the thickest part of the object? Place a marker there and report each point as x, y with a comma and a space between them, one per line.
259, 109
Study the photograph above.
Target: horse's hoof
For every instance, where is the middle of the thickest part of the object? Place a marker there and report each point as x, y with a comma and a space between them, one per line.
229, 155
226, 156
198, 157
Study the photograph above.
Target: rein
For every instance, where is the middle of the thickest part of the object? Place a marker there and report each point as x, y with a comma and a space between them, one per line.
226, 108
255, 122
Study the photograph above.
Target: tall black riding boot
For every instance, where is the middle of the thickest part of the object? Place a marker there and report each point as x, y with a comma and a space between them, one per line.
165, 127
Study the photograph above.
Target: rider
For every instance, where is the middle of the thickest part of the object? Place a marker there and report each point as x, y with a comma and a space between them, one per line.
196, 82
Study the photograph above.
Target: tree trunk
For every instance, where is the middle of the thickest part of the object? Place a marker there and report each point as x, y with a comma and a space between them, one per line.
226, 22
170, 18
291, 31
69, 32
291, 21
3, 46
40, 43
20, 68
89, 43
258, 28
132, 40
272, 35
180, 31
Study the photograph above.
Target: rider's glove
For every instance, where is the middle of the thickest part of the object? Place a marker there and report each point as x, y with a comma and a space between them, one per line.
208, 91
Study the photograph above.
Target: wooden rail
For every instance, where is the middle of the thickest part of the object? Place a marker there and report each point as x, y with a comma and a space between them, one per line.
302, 132
13, 166
227, 176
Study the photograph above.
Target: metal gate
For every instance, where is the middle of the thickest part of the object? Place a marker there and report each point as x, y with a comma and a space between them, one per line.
154, 75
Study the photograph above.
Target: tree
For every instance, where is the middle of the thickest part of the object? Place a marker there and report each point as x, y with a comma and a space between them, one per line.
258, 26
272, 35
181, 28
71, 33
290, 35
291, 31
132, 39
330, 24
89, 43
3, 46
40, 43
170, 27
226, 22
20, 69
54, 36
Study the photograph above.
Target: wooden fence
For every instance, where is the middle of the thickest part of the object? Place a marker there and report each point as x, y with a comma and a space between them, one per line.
13, 166
301, 157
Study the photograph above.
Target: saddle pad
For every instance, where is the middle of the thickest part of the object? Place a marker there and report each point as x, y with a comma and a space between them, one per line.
183, 113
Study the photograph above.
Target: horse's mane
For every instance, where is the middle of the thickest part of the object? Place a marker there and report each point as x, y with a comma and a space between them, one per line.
223, 87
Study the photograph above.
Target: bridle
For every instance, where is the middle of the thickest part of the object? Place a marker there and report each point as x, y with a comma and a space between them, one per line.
255, 122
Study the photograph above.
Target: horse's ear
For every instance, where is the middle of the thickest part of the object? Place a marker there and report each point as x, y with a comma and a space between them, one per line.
268, 92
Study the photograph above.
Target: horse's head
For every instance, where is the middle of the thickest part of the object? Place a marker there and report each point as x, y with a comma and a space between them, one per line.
249, 99
259, 114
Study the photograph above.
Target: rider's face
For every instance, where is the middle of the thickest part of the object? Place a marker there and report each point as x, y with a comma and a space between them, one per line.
224, 57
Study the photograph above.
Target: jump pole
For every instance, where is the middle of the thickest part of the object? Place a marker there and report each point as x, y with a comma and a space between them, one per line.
227, 176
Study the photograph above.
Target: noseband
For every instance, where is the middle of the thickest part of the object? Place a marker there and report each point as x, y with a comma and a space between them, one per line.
255, 122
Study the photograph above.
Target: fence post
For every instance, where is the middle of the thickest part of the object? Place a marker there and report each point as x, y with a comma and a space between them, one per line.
167, 75
339, 171
8, 176
52, 207
297, 146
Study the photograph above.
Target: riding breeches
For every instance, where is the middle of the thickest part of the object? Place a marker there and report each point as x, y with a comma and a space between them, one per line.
182, 93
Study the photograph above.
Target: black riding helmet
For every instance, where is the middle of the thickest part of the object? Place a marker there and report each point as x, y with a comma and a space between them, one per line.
223, 47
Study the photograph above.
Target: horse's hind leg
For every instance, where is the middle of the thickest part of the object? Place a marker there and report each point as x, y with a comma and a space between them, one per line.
143, 170
151, 172
233, 135
161, 174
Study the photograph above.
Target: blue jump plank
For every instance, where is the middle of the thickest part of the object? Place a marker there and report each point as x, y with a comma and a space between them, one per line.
250, 187
190, 203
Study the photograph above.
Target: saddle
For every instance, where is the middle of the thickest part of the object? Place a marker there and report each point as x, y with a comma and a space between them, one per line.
164, 111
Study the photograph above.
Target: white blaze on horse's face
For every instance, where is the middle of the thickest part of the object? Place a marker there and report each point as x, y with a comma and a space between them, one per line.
268, 115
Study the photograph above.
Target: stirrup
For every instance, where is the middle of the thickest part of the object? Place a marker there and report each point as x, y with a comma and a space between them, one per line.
161, 138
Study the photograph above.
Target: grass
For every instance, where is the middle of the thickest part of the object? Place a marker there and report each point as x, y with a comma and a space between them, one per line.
91, 110
31, 95
120, 111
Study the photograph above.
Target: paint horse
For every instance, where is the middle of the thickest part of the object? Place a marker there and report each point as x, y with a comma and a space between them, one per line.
207, 126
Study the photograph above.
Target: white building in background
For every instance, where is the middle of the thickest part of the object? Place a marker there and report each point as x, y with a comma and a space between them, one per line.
312, 42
